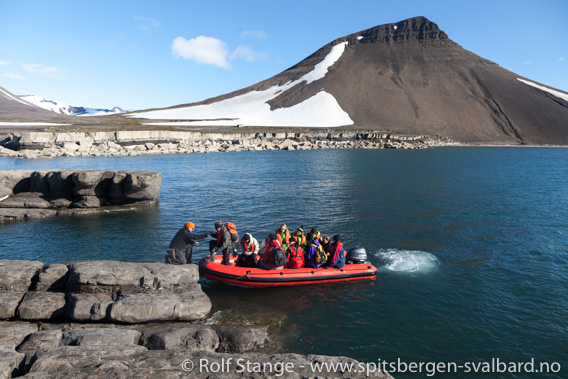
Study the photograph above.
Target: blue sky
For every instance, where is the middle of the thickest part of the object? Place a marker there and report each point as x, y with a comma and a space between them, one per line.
148, 54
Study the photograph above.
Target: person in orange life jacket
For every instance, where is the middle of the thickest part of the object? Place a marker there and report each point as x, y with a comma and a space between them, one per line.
295, 255
222, 243
299, 237
312, 253
267, 258
249, 257
283, 235
183, 240
337, 254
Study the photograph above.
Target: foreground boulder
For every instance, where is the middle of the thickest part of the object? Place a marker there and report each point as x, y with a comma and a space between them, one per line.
190, 304
18, 275
137, 362
109, 276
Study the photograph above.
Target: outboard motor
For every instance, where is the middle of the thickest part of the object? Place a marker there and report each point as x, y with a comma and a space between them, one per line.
356, 254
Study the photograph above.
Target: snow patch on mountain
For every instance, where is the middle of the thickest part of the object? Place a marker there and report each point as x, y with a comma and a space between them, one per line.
9, 96
252, 108
66, 109
559, 94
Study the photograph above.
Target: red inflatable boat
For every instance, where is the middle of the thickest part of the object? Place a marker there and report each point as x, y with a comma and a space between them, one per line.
257, 277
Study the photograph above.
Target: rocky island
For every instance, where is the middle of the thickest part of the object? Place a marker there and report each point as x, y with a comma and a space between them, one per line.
26, 194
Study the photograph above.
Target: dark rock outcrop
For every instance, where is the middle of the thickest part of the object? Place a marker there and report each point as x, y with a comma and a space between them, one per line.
38, 194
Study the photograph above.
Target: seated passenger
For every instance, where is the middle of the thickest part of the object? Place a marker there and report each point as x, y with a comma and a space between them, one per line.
315, 256
283, 235
274, 257
249, 257
336, 253
313, 234
295, 255
299, 237
325, 244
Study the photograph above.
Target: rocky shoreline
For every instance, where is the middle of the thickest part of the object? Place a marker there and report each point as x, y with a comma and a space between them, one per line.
130, 143
26, 194
124, 319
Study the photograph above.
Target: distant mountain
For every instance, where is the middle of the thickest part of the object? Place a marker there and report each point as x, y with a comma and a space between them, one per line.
407, 77
12, 106
66, 109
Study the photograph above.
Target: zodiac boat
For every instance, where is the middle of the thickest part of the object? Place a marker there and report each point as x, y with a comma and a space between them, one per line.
355, 269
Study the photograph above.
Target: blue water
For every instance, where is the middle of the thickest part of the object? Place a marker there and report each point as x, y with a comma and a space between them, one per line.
471, 244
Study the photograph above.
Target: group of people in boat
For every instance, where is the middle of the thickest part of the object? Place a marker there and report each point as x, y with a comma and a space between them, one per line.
281, 249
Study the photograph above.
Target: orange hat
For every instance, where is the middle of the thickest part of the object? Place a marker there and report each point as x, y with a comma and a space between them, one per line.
190, 225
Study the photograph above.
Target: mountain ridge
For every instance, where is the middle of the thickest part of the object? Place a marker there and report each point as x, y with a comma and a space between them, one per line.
408, 77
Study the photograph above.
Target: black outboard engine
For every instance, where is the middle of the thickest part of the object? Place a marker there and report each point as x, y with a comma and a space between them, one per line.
356, 254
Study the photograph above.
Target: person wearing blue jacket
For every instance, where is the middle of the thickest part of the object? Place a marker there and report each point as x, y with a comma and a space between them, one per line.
314, 254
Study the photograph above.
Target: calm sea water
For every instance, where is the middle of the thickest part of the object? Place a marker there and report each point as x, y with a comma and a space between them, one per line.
471, 244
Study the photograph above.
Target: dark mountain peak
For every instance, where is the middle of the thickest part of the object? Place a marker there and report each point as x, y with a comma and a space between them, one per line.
412, 29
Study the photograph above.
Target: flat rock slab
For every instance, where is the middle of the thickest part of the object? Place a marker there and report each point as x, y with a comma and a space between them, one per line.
9, 301
43, 339
109, 276
10, 360
190, 305
190, 337
69, 361
89, 306
17, 275
52, 278
101, 337
39, 305
16, 334
136, 362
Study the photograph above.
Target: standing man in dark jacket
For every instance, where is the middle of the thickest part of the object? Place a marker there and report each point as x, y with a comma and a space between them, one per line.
222, 243
183, 240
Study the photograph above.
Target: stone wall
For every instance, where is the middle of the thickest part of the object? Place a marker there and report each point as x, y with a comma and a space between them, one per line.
119, 143
26, 194
130, 320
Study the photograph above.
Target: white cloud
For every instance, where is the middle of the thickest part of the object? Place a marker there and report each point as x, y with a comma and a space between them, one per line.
246, 53
561, 59
4, 63
40, 69
528, 63
206, 50
147, 23
13, 76
258, 34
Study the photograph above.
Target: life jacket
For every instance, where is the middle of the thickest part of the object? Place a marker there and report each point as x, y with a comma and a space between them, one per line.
247, 247
295, 257
300, 241
283, 238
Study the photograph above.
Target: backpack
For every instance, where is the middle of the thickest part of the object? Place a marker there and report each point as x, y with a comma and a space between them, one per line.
233, 230
279, 256
321, 257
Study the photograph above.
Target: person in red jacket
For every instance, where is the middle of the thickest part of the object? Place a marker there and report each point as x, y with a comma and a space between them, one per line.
267, 258
336, 253
295, 256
